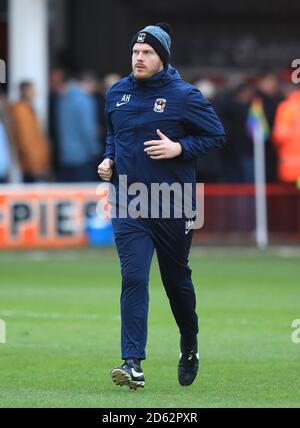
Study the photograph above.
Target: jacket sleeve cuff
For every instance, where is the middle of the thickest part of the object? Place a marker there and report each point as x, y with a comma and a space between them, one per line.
183, 142
111, 157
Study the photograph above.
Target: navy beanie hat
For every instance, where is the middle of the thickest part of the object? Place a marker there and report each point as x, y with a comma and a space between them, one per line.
158, 37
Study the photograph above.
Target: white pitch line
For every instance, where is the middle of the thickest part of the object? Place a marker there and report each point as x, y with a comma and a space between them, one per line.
94, 317
52, 315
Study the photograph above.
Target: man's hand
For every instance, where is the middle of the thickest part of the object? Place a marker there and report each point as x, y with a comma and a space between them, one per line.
105, 169
163, 148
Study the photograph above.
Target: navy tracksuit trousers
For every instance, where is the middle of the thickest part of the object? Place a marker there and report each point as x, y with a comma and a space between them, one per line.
136, 240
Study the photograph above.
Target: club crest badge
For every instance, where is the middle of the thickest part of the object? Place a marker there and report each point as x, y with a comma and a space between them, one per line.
141, 38
160, 105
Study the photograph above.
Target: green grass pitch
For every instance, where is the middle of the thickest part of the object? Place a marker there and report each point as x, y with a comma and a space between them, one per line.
61, 311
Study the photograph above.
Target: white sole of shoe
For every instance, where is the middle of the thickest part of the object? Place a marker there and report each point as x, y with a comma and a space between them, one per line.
120, 377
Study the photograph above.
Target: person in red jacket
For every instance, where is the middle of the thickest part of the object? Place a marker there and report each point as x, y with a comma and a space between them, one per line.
286, 134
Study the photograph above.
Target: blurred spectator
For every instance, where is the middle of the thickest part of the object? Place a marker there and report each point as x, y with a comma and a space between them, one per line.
57, 83
32, 147
5, 159
238, 153
268, 90
286, 134
207, 88
78, 131
109, 80
209, 168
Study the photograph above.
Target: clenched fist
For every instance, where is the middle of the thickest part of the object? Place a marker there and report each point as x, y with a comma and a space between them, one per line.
105, 169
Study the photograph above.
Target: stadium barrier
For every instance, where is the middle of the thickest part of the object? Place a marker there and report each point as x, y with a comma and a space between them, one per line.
230, 214
55, 216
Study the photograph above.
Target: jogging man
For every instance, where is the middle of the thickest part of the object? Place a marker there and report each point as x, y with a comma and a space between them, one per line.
157, 127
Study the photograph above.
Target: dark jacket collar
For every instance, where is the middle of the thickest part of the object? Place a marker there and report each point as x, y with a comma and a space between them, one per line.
165, 76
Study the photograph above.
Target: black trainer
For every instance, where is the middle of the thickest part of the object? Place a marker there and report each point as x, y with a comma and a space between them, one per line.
188, 364
129, 374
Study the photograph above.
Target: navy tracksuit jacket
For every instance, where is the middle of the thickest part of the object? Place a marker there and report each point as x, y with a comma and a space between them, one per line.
135, 109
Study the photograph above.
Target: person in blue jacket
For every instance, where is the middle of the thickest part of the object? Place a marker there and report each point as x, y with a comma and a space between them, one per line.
158, 125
